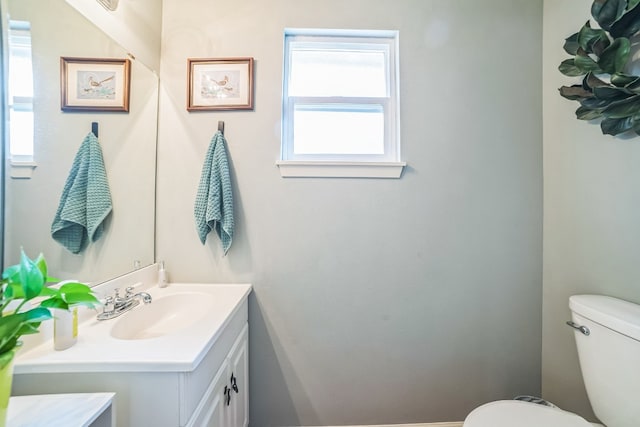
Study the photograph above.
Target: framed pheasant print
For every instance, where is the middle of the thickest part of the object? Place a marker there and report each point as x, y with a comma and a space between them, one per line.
94, 84
220, 84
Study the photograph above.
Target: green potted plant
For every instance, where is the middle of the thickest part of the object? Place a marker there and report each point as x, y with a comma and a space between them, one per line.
25, 302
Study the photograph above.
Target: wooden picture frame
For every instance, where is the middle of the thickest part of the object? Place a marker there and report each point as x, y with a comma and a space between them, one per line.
220, 84
94, 84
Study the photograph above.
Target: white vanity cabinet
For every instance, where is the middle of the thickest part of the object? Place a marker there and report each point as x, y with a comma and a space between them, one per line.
226, 401
154, 384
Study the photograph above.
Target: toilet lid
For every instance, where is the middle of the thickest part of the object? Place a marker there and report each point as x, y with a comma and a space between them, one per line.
510, 413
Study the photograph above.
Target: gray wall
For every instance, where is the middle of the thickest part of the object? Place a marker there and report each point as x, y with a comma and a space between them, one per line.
375, 301
591, 204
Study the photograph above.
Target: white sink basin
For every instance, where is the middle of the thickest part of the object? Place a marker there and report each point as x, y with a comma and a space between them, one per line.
171, 334
163, 316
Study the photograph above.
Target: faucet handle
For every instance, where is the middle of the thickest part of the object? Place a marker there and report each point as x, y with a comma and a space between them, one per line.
128, 292
116, 293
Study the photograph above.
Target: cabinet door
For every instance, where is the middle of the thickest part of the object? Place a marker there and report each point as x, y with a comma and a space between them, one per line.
212, 410
239, 381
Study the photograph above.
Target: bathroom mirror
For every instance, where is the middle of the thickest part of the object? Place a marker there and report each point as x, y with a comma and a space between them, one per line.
128, 142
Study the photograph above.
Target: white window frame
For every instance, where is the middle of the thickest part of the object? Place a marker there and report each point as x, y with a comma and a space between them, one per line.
387, 165
21, 166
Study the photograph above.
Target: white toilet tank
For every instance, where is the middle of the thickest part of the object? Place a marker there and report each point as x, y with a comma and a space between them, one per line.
609, 356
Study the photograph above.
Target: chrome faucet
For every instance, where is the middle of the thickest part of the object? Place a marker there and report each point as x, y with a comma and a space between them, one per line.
115, 305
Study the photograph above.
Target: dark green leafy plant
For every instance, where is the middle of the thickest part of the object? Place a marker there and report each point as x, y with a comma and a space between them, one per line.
20, 285
601, 56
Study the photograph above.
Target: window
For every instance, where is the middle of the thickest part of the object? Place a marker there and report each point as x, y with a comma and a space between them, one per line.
20, 93
340, 104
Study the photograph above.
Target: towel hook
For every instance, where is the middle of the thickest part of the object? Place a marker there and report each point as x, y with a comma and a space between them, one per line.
221, 126
94, 128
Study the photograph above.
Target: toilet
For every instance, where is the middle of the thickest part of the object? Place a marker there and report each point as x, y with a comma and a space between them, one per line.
607, 333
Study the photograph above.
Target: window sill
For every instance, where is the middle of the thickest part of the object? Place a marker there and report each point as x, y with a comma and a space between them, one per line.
22, 170
293, 169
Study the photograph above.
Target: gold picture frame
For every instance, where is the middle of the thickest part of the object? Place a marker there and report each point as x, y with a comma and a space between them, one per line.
220, 84
94, 84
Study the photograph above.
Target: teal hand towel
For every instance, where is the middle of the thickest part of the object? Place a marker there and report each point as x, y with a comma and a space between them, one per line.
214, 200
86, 200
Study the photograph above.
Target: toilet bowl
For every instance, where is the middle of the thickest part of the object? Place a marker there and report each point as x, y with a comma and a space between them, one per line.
607, 335
514, 413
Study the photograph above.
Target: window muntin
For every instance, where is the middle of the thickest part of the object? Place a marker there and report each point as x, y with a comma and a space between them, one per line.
340, 96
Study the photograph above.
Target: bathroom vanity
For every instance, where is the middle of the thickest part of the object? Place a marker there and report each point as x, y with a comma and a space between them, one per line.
182, 363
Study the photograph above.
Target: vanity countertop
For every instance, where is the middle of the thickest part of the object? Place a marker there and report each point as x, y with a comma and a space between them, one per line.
182, 350
70, 410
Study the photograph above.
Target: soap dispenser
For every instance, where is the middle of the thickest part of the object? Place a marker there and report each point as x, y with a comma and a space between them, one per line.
65, 328
163, 280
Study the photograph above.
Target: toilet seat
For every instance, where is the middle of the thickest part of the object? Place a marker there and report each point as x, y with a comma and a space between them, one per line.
510, 413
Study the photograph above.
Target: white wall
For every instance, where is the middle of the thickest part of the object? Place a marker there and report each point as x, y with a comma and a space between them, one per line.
376, 301
591, 204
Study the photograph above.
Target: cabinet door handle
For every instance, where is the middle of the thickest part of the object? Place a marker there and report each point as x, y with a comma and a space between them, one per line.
227, 394
234, 385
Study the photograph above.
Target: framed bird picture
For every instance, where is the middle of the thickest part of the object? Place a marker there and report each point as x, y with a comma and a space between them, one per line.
94, 84
220, 84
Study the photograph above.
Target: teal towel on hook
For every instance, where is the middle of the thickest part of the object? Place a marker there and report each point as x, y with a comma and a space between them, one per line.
86, 200
214, 200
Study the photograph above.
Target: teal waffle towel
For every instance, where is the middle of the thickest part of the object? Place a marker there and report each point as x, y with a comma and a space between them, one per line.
214, 200
86, 200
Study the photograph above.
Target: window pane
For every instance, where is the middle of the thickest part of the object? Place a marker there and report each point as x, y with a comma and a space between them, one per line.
334, 72
321, 129
21, 133
20, 88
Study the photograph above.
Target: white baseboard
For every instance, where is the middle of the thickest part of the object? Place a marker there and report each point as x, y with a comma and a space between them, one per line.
453, 424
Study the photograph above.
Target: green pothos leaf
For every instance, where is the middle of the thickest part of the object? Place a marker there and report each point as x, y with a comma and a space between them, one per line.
632, 3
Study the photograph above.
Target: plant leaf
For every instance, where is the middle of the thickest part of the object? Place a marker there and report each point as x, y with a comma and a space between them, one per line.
616, 126
55, 303
568, 68
588, 37
626, 108
571, 44
607, 12
75, 287
590, 81
585, 63
636, 124
621, 79
11, 326
595, 103
574, 92
632, 3
614, 58
583, 113
31, 278
628, 25
612, 93
42, 265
